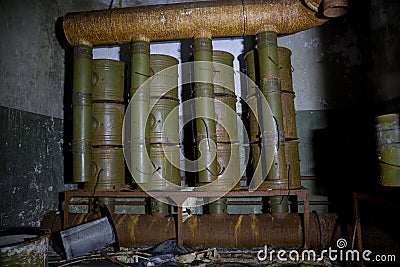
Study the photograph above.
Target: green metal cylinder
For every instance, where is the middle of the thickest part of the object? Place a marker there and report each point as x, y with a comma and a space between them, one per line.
289, 115
25, 246
250, 68
225, 113
254, 127
224, 78
255, 150
140, 71
293, 163
141, 167
206, 127
107, 124
165, 85
279, 204
160, 132
158, 207
388, 148
108, 169
219, 206
228, 167
108, 80
82, 114
163, 169
271, 88
252, 90
285, 68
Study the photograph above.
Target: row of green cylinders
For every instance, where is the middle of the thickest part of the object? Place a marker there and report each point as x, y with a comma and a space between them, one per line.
149, 139
269, 67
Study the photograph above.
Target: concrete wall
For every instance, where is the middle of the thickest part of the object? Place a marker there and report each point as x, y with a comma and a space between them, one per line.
345, 72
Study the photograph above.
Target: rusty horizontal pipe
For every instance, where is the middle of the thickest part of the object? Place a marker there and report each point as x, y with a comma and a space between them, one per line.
183, 20
239, 231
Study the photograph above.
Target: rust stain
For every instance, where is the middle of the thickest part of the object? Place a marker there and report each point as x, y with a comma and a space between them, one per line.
193, 226
133, 223
237, 226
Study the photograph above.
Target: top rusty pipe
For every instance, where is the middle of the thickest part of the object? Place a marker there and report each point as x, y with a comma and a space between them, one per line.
181, 21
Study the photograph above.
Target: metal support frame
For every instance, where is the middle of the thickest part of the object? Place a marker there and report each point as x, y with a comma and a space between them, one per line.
181, 195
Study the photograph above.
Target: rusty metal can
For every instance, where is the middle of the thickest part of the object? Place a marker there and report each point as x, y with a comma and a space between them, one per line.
107, 124
225, 113
108, 80
24, 246
388, 148
164, 159
108, 169
224, 79
293, 162
289, 115
161, 132
164, 82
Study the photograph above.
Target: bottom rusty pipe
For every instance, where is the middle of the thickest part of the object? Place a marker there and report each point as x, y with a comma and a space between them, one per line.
229, 231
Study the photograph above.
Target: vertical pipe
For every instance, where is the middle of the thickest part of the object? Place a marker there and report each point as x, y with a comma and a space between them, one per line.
271, 88
254, 129
82, 113
140, 95
206, 127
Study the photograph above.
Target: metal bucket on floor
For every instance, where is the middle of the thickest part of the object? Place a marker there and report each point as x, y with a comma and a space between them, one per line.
164, 84
158, 115
289, 115
108, 169
81, 239
24, 247
108, 80
107, 124
388, 148
293, 162
223, 76
225, 111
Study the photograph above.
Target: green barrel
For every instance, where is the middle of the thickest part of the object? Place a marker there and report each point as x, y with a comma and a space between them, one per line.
107, 124
224, 77
206, 127
108, 169
219, 206
250, 68
254, 128
82, 114
160, 132
255, 150
141, 167
285, 68
225, 113
25, 246
164, 84
289, 115
293, 163
108, 80
279, 204
163, 169
388, 148
158, 207
140, 140
271, 88
228, 167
